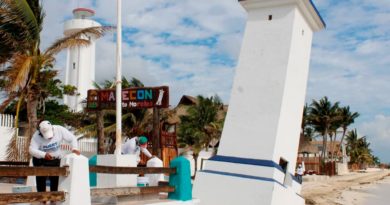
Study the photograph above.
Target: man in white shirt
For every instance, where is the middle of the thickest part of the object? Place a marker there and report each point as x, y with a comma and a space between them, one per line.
300, 172
45, 147
135, 145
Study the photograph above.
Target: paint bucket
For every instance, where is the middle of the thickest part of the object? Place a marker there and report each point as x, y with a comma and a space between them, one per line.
154, 178
142, 181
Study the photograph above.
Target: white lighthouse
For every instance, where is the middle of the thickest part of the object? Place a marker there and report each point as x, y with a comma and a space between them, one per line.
80, 67
256, 158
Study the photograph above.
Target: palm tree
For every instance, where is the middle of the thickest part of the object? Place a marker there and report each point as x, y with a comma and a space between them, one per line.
26, 67
347, 118
358, 149
201, 125
323, 116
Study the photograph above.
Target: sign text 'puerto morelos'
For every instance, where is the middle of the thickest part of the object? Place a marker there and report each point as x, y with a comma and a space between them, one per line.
139, 97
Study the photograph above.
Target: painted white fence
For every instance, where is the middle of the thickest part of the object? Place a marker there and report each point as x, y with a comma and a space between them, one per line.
7, 120
85, 145
7, 130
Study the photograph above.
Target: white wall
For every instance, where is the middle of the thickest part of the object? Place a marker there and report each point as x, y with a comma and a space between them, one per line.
257, 93
294, 92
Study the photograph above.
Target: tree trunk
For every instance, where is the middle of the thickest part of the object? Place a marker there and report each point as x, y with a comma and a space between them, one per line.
32, 106
343, 150
323, 153
100, 131
331, 148
195, 156
156, 133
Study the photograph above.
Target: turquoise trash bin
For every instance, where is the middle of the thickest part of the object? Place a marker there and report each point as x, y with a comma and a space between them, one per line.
181, 180
92, 175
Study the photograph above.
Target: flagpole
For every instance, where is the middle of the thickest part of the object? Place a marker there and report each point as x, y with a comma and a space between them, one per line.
119, 79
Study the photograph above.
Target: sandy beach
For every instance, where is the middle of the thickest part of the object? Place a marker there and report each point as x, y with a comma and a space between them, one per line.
352, 189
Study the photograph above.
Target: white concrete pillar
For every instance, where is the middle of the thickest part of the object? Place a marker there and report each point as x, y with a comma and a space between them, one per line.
116, 180
76, 184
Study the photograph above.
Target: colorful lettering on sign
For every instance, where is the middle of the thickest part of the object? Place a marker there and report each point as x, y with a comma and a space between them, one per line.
144, 97
133, 95
112, 97
104, 96
125, 95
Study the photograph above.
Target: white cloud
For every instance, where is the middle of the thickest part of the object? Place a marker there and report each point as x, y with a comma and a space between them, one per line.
378, 134
379, 128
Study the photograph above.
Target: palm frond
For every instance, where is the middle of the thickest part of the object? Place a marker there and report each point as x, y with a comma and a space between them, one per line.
66, 42
19, 73
77, 39
88, 131
13, 148
29, 17
5, 103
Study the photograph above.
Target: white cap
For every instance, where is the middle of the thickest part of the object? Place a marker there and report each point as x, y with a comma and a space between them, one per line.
46, 129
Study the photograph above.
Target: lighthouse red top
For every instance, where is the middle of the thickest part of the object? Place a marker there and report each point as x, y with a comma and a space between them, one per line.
83, 12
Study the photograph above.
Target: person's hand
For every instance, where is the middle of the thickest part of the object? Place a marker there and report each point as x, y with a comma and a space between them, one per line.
76, 151
48, 156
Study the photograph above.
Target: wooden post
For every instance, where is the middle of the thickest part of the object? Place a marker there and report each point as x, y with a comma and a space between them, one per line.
130, 191
33, 171
31, 197
131, 170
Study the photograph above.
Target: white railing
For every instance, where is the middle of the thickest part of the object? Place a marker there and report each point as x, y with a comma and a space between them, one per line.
7, 120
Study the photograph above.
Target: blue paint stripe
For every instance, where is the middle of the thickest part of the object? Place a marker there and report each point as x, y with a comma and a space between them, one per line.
243, 176
240, 160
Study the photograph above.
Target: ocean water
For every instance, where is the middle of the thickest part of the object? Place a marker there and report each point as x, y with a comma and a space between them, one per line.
379, 194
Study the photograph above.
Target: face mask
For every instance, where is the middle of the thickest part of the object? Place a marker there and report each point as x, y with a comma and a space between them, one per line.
47, 137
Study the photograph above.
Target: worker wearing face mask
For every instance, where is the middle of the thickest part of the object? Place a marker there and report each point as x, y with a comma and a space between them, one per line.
45, 147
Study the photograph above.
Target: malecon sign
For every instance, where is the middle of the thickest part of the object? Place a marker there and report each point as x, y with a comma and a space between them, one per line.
140, 97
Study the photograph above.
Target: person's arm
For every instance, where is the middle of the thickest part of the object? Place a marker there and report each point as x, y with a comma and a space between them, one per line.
146, 152
34, 149
125, 147
70, 138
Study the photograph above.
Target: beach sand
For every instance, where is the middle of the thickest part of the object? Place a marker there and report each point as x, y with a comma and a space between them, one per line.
377, 193
352, 189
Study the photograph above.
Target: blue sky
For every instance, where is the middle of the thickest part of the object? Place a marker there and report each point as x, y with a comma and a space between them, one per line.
193, 47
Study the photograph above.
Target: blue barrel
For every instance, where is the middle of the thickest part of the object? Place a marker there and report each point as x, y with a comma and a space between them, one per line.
92, 175
181, 180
